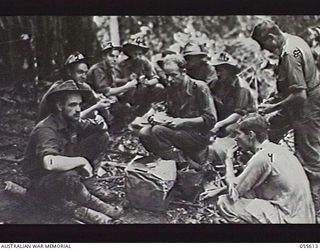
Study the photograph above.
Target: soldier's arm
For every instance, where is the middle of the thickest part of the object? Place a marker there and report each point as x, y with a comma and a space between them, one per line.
299, 96
122, 89
65, 163
49, 151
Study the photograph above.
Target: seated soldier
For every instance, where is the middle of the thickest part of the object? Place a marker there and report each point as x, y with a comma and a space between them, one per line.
273, 188
75, 68
62, 152
102, 76
197, 66
191, 115
137, 66
231, 93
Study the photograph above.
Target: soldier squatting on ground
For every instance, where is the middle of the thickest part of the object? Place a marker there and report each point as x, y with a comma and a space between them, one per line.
200, 99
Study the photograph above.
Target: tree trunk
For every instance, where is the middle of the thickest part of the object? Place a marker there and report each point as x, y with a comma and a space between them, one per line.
114, 30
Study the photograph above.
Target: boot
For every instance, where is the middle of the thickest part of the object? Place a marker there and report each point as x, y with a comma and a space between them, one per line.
100, 206
90, 216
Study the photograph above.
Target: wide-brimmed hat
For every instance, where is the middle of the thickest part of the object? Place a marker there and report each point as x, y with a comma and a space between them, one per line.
110, 46
77, 57
225, 59
137, 43
163, 55
192, 49
69, 87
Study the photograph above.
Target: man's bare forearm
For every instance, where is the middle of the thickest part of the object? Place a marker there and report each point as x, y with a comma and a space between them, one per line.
63, 163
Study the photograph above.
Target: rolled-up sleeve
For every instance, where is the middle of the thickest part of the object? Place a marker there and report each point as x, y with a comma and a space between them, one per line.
100, 80
47, 143
207, 108
292, 69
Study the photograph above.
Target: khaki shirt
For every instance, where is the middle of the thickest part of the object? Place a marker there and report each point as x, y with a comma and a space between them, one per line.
53, 136
235, 98
140, 67
101, 77
192, 100
297, 70
274, 174
204, 72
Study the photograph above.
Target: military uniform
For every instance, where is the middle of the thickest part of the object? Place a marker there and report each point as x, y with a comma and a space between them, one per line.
52, 136
101, 77
273, 188
233, 98
297, 71
142, 96
204, 72
193, 100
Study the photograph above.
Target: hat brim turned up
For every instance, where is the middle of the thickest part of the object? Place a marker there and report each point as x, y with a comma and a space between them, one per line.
68, 87
105, 50
203, 54
127, 48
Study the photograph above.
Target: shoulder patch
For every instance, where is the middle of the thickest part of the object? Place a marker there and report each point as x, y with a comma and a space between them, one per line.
297, 53
194, 85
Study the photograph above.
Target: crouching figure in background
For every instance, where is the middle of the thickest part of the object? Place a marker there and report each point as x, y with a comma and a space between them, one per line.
273, 188
61, 153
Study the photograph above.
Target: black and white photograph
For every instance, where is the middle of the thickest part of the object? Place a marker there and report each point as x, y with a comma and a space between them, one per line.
160, 119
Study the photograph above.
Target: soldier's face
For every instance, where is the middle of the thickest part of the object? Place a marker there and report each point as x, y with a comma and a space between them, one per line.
243, 140
192, 61
174, 74
112, 57
136, 54
270, 43
79, 72
223, 73
70, 108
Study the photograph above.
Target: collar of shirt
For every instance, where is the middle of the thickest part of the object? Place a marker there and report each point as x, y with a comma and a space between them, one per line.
284, 46
262, 145
62, 124
189, 85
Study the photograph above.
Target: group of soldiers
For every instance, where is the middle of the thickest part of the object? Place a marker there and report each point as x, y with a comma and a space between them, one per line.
201, 100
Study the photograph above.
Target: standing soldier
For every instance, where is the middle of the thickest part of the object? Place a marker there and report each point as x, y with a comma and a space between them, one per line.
299, 89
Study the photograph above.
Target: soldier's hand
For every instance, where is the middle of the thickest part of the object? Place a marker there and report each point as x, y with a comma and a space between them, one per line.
99, 120
176, 123
266, 108
103, 104
143, 80
132, 84
216, 128
88, 169
231, 151
232, 191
